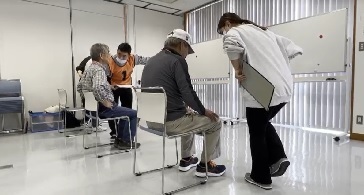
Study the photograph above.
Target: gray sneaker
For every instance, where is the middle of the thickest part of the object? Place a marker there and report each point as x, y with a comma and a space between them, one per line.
251, 181
279, 168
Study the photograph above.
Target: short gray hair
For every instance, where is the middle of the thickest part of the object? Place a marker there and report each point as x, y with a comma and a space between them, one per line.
98, 49
173, 42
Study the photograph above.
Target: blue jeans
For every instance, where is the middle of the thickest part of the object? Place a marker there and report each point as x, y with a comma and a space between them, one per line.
123, 125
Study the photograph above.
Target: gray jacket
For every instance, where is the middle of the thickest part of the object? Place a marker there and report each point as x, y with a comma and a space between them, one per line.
169, 70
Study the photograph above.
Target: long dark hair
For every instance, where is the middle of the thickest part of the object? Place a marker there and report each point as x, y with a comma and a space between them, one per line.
233, 18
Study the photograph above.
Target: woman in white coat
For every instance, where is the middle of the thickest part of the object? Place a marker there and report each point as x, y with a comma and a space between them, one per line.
269, 54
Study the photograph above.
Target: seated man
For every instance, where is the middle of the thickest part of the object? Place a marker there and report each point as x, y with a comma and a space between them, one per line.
94, 79
80, 70
168, 69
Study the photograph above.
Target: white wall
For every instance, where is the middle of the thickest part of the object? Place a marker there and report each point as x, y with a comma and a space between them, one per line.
108, 30
35, 47
151, 29
35, 43
148, 35
358, 103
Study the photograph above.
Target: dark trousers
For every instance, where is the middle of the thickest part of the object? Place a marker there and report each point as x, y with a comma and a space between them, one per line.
122, 125
265, 145
126, 98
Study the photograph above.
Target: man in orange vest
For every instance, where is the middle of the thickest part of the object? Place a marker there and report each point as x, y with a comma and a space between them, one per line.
121, 67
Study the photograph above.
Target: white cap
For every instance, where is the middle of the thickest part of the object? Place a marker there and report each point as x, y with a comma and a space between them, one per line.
181, 34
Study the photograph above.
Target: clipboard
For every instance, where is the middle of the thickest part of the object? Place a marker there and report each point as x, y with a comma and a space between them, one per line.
257, 86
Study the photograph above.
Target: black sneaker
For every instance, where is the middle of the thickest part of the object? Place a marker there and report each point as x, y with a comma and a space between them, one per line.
251, 181
186, 165
112, 133
116, 143
113, 137
121, 145
279, 168
213, 170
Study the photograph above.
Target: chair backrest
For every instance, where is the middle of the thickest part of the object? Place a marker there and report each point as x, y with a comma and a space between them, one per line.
10, 88
152, 106
90, 102
62, 95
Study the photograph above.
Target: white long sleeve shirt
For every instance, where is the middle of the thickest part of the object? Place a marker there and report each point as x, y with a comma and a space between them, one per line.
269, 54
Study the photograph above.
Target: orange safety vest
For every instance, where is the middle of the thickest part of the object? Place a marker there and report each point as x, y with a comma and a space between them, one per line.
121, 75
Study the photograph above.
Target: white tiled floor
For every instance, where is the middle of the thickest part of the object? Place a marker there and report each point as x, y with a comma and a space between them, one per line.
46, 163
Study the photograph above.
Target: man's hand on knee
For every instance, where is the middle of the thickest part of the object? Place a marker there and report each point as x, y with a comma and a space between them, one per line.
213, 116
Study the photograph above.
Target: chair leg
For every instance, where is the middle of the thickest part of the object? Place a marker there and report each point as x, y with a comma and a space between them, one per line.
2, 122
164, 160
110, 153
131, 141
175, 140
153, 170
65, 124
59, 116
97, 122
198, 183
135, 154
205, 151
116, 128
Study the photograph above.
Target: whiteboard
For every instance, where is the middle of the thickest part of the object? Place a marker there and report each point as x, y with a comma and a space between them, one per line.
323, 39
208, 61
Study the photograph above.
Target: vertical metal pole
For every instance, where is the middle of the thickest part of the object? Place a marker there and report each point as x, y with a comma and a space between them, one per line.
73, 64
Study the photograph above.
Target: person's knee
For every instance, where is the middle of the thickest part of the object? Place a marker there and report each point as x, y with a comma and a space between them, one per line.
215, 127
134, 114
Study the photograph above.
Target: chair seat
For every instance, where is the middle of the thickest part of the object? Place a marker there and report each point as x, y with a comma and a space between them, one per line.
170, 136
154, 131
71, 109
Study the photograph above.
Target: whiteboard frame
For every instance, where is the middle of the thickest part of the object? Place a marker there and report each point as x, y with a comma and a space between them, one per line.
345, 64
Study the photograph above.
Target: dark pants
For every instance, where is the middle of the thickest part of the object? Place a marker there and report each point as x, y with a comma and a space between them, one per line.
265, 144
123, 125
126, 98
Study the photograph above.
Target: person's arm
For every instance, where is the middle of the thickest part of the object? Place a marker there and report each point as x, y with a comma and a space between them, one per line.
100, 87
291, 49
236, 65
140, 60
81, 68
183, 81
234, 48
79, 87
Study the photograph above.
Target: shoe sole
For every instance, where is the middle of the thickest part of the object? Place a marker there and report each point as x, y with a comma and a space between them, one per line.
185, 169
282, 169
199, 174
256, 184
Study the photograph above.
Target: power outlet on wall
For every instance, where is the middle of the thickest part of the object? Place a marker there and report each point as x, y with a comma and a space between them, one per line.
361, 46
359, 119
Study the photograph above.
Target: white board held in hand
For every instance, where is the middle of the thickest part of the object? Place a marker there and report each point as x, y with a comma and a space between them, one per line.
257, 86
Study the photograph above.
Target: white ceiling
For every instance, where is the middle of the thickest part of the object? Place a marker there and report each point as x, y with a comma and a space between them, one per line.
177, 7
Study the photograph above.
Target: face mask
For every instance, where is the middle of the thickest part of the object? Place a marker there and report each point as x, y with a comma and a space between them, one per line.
120, 61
